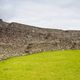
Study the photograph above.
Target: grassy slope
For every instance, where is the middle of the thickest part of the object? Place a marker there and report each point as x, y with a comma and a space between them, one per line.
55, 65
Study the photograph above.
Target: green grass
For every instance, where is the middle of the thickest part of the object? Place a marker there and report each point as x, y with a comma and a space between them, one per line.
52, 65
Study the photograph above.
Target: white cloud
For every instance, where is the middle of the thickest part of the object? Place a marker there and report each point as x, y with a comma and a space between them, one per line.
64, 14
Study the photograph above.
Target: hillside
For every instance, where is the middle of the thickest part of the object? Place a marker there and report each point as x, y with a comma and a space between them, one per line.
18, 39
52, 65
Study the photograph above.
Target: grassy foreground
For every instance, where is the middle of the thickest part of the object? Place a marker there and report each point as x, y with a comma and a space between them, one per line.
52, 65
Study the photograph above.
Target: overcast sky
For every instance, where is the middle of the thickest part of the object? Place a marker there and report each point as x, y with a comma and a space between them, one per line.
59, 14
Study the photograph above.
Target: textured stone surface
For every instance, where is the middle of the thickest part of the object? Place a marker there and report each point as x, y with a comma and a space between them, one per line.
19, 39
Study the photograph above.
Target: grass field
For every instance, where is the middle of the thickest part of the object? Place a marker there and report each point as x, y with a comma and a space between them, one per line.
52, 65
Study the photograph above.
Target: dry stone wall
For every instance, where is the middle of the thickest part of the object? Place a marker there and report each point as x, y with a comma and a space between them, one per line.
19, 39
